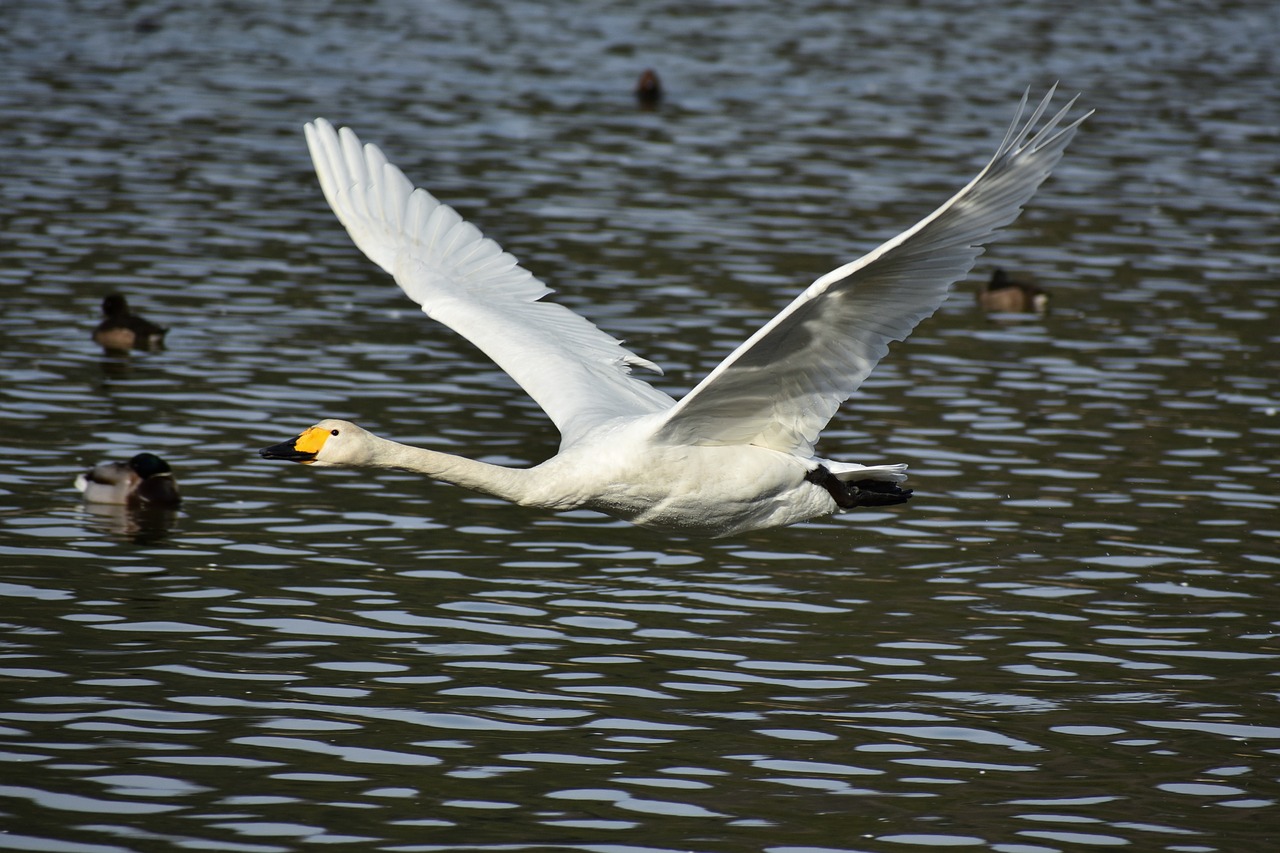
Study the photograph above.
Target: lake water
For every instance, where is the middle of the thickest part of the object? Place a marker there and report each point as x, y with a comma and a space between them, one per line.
1067, 641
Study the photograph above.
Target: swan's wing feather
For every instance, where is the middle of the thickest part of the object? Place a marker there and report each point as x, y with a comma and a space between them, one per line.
579, 375
784, 384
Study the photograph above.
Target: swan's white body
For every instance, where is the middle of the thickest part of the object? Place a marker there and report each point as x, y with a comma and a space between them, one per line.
736, 453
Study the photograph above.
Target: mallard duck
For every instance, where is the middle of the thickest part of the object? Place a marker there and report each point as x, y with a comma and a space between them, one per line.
144, 479
1005, 295
737, 452
122, 330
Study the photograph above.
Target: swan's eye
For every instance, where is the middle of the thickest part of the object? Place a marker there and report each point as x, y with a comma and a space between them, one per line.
334, 432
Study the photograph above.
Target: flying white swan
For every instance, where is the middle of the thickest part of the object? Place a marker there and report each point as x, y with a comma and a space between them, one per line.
736, 452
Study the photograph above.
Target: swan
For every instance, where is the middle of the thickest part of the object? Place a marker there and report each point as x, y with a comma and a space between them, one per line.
121, 329
146, 479
736, 453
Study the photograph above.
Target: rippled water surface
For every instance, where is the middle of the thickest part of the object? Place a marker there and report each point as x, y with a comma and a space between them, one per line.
1067, 641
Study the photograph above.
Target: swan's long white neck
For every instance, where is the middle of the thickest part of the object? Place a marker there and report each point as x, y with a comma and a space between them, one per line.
512, 484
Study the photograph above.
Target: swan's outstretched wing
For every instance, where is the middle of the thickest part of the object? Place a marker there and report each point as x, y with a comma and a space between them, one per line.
781, 387
579, 375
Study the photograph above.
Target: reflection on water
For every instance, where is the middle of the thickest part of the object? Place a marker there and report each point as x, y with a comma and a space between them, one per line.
1067, 640
143, 525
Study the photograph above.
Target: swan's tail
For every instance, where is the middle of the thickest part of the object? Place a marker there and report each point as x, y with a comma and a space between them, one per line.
848, 471
853, 486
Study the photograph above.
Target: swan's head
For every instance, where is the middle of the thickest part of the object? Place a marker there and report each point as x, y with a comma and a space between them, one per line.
330, 442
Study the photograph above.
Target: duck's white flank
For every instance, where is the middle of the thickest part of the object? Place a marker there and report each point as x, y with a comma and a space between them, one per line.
734, 454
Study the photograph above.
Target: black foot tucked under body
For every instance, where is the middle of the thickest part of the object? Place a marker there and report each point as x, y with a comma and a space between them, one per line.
853, 493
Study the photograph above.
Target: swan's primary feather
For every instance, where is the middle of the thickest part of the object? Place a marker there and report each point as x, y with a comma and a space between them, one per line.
579, 375
780, 388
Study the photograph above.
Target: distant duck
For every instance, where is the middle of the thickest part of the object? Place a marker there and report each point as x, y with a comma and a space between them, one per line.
649, 89
1005, 295
120, 330
146, 479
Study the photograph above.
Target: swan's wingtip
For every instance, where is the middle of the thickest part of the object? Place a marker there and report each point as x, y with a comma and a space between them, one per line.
317, 124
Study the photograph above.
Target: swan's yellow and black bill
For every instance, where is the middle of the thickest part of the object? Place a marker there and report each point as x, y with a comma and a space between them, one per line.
301, 449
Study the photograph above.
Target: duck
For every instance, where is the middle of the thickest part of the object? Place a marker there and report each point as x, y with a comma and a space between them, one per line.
1003, 294
121, 329
736, 453
144, 480
648, 89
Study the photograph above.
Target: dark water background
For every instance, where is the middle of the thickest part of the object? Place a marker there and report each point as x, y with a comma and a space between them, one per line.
1067, 641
